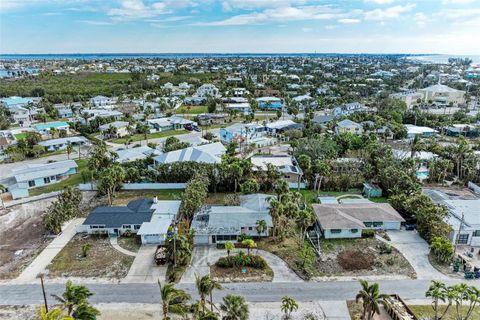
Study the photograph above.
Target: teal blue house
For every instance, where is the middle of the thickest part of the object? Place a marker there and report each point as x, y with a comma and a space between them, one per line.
45, 128
38, 175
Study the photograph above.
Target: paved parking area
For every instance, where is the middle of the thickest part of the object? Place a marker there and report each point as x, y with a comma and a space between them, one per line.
204, 256
415, 250
144, 269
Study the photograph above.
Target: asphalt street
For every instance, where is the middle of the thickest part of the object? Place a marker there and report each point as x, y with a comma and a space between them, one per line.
253, 292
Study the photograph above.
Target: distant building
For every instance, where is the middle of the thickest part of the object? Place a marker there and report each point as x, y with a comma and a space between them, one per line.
270, 103
45, 128
442, 95
206, 153
349, 108
120, 126
348, 126
282, 126
62, 143
241, 131
422, 132
101, 101
210, 118
168, 124
208, 90
285, 164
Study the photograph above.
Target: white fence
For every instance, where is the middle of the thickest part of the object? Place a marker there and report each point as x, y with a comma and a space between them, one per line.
137, 186
474, 187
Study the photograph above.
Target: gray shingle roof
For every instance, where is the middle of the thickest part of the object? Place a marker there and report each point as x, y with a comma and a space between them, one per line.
136, 212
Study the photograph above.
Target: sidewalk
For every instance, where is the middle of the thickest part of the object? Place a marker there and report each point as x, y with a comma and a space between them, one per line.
46, 256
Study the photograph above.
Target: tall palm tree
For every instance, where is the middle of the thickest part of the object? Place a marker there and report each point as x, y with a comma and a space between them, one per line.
203, 288
371, 299
438, 292
73, 296
213, 285
235, 308
173, 299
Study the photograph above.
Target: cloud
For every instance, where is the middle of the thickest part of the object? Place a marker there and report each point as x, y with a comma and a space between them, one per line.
282, 14
421, 19
379, 1
97, 22
457, 1
306, 29
349, 21
229, 5
389, 13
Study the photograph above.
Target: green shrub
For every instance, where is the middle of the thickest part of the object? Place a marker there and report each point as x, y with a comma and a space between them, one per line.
368, 233
241, 260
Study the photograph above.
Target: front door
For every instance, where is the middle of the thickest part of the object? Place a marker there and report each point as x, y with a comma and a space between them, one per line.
214, 239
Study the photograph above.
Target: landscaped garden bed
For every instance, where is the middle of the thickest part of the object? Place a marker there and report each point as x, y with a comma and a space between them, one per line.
241, 268
101, 259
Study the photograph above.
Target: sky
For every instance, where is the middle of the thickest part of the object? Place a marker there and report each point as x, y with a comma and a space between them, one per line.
240, 26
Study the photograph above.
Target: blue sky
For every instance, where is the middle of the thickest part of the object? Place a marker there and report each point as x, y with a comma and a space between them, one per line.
350, 26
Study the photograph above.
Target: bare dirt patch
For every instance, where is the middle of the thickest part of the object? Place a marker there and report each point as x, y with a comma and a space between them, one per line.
102, 260
131, 243
361, 257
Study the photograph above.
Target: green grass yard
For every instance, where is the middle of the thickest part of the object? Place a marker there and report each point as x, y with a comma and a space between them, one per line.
192, 110
20, 136
73, 180
426, 312
155, 135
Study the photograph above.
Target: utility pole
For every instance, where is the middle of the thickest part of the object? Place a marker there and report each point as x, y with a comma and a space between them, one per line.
458, 232
44, 294
175, 229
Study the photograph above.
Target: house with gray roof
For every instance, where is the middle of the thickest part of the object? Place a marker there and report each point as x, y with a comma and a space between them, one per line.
347, 220
62, 143
348, 126
206, 153
150, 219
219, 224
37, 175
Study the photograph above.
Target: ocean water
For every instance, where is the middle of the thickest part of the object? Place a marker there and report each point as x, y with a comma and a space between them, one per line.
443, 58
110, 56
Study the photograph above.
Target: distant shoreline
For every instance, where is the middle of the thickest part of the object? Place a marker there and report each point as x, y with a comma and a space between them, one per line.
93, 56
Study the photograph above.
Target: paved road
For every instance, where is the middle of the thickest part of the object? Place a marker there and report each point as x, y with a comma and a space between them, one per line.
253, 292
43, 259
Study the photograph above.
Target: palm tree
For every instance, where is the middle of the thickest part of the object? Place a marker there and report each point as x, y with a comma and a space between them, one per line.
250, 244
288, 306
203, 288
86, 312
261, 226
234, 307
69, 149
230, 247
213, 285
438, 292
173, 300
73, 296
371, 298
53, 314
305, 219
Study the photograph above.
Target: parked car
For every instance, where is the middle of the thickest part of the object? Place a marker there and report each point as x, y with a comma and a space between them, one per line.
160, 255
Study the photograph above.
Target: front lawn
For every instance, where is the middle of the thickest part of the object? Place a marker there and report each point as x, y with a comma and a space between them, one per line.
426, 312
122, 198
155, 135
192, 110
73, 180
311, 196
129, 243
102, 260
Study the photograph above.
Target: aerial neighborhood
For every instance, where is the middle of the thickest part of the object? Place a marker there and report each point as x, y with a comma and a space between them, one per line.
282, 173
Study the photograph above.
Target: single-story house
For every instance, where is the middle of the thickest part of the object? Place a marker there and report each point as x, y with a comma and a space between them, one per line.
348, 126
270, 103
219, 224
347, 220
210, 118
44, 128
37, 175
120, 126
62, 143
148, 218
136, 153
285, 164
206, 153
422, 132
282, 125
167, 124
241, 132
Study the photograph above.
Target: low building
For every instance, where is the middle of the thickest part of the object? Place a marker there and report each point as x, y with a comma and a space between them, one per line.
101, 101
62, 143
348, 126
219, 224
150, 219
170, 123
285, 164
45, 128
240, 132
206, 153
350, 108
120, 129
282, 126
422, 132
37, 175
208, 90
347, 220
206, 119
270, 103
410, 97
440, 94
136, 153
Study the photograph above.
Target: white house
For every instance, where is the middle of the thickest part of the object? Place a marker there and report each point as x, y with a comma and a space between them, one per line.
443, 95
208, 90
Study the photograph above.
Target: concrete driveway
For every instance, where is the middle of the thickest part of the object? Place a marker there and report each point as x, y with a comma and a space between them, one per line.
41, 262
204, 256
415, 250
144, 269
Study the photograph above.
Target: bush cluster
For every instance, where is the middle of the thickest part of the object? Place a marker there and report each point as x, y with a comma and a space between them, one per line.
242, 260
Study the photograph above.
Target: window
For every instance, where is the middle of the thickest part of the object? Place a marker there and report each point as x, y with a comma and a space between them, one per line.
462, 239
126, 226
53, 178
250, 228
377, 224
31, 183
226, 237
368, 224
335, 231
136, 227
353, 230
93, 226
46, 180
476, 233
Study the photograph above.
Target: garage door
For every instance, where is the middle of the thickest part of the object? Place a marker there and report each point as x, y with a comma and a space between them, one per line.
151, 239
202, 239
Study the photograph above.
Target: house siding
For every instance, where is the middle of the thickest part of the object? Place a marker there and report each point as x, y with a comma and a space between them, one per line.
344, 234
